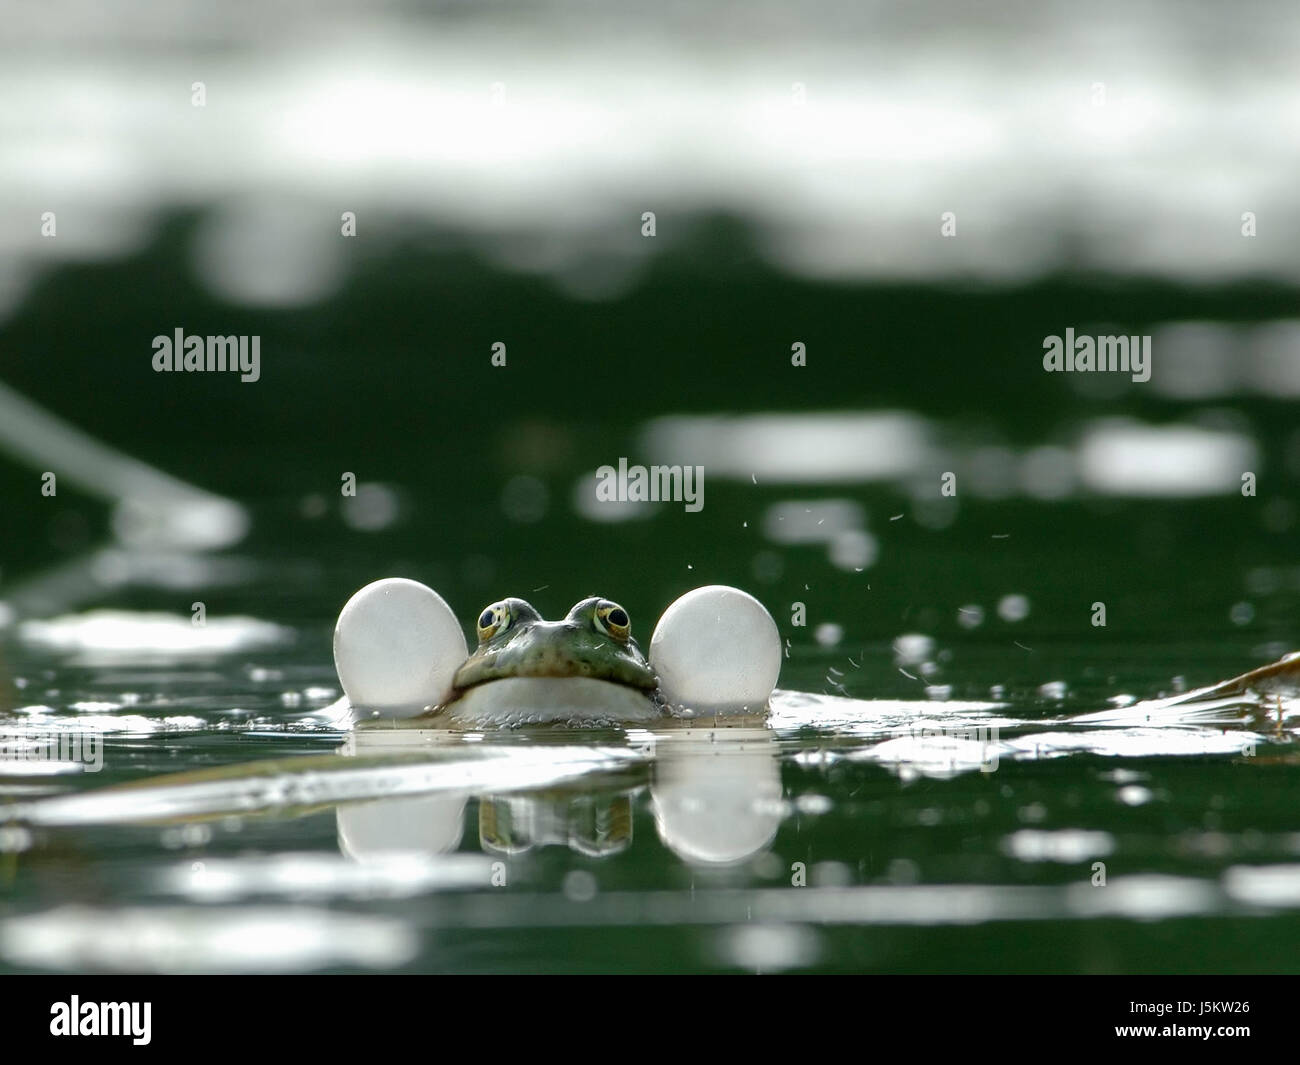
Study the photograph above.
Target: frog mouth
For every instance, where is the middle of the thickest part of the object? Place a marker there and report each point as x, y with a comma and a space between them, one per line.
555, 651
577, 701
627, 675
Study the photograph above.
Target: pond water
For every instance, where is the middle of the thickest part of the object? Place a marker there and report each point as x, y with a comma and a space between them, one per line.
816, 258
959, 773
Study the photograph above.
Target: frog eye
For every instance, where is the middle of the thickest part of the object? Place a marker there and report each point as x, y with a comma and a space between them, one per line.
495, 619
612, 620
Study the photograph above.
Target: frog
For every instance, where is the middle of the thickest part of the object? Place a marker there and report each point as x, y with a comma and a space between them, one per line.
584, 670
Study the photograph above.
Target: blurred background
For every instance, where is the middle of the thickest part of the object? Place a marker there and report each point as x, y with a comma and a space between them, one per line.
499, 162
650, 211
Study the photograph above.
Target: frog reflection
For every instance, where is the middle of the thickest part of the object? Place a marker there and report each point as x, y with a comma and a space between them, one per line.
596, 824
715, 794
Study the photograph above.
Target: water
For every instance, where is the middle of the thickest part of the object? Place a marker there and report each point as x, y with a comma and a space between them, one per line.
934, 778
915, 623
983, 573
941, 797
